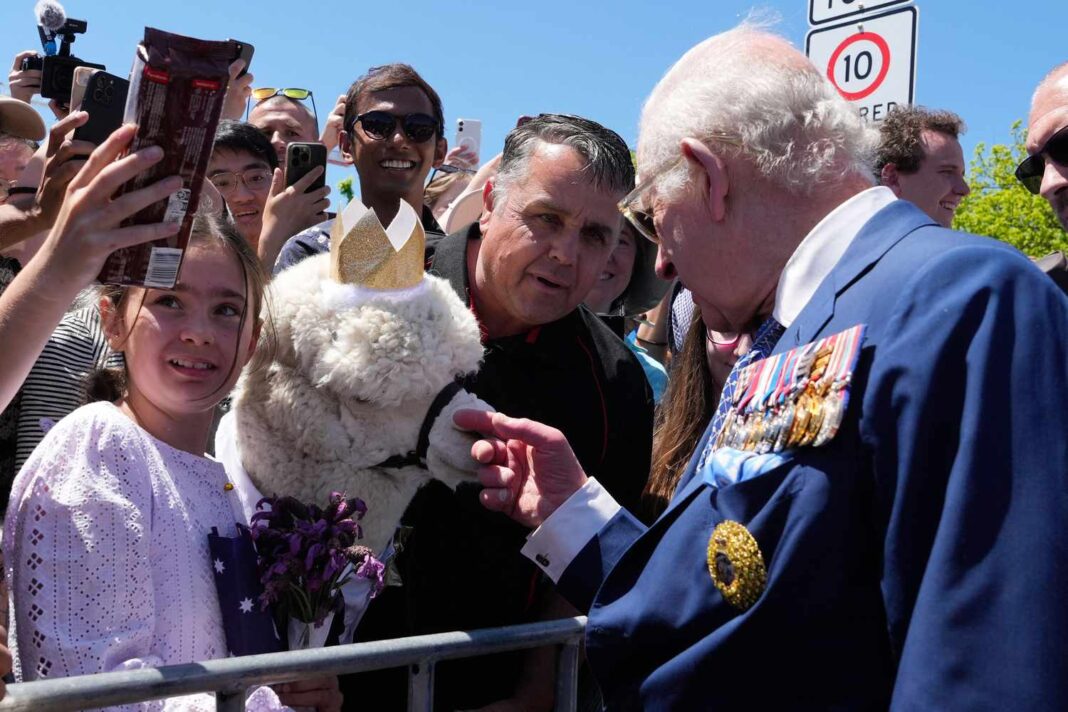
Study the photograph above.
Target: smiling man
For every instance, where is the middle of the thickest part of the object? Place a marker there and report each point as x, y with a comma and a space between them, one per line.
921, 160
548, 227
393, 134
242, 161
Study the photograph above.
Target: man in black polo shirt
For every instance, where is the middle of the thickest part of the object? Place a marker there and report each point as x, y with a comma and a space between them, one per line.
393, 134
549, 224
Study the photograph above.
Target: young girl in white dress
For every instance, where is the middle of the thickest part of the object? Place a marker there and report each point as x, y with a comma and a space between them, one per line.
106, 536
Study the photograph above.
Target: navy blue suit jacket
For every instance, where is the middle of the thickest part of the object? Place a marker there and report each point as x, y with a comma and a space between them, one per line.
918, 561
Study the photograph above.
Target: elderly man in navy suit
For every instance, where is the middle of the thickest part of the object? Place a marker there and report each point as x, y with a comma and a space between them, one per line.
877, 517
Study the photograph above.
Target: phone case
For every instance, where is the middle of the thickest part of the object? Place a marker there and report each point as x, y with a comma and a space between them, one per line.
77, 89
301, 157
469, 134
105, 100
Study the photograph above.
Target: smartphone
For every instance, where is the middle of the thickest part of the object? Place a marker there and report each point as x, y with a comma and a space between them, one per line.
301, 157
245, 52
469, 134
81, 81
105, 100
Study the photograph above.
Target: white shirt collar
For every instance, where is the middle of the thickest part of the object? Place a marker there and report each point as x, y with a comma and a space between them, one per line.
821, 250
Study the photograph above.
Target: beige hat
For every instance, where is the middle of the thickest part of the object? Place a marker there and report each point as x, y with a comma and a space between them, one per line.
17, 118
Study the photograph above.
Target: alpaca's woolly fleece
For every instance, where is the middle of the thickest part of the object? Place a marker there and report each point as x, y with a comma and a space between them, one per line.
352, 376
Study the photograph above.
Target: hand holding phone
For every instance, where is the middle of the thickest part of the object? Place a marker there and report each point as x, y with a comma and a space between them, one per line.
105, 102
469, 135
301, 158
244, 53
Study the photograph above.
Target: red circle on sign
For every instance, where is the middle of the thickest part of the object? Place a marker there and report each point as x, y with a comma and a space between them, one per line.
884, 48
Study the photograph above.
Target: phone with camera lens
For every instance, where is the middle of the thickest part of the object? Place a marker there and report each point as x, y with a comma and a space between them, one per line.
105, 101
301, 158
469, 135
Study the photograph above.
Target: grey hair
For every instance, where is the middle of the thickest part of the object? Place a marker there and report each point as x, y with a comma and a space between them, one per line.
748, 83
608, 161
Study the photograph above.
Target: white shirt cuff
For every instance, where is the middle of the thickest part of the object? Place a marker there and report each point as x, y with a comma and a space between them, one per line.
560, 538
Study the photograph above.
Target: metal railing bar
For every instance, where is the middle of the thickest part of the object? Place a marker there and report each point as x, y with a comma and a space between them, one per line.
233, 674
421, 687
230, 702
567, 666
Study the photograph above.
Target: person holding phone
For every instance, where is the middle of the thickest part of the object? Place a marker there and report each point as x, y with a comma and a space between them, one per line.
266, 212
283, 118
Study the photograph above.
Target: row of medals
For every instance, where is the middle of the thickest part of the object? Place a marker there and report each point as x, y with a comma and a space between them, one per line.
793, 399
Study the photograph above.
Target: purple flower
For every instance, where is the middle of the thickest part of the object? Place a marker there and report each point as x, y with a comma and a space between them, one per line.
304, 551
374, 570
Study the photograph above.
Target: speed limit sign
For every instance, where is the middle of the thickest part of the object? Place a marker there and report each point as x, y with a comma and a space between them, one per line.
871, 62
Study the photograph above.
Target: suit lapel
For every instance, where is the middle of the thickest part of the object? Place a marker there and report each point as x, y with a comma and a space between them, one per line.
884, 230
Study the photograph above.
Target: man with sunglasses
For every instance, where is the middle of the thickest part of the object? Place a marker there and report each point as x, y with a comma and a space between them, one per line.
896, 540
394, 135
283, 118
1045, 170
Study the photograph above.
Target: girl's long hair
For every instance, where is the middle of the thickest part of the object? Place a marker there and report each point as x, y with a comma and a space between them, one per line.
684, 413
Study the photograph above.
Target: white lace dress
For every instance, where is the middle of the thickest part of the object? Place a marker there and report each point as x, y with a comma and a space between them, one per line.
106, 550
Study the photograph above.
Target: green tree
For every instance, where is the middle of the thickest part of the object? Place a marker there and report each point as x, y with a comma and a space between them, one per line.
1002, 208
344, 186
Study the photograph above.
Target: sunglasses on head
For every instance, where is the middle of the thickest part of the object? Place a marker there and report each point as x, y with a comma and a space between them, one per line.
297, 94
447, 169
380, 125
1032, 168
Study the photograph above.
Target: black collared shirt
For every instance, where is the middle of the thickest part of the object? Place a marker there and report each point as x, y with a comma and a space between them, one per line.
462, 568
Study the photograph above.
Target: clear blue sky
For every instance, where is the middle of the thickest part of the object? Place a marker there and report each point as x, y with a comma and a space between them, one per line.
498, 60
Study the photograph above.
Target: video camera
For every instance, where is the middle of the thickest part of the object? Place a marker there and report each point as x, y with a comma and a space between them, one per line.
58, 64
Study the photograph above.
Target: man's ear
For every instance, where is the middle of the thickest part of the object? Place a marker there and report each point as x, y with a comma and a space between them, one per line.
441, 147
487, 204
714, 168
344, 146
889, 177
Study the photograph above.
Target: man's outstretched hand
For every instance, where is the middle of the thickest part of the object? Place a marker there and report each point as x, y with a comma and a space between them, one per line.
528, 469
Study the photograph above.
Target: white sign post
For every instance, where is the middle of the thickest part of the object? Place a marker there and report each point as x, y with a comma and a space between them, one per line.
871, 61
821, 11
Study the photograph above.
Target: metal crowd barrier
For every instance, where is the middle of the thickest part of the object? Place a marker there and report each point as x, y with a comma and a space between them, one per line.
230, 678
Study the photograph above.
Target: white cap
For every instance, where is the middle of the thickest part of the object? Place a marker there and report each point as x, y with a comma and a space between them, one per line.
17, 118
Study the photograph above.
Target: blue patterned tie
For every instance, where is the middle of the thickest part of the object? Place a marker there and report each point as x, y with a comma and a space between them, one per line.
763, 343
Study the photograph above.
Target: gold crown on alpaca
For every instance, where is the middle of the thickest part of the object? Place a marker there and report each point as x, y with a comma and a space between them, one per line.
364, 253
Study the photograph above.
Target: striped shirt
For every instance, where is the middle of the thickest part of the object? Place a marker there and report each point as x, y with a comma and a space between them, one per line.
55, 385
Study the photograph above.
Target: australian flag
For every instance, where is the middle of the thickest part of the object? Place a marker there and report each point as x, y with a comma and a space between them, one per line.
249, 630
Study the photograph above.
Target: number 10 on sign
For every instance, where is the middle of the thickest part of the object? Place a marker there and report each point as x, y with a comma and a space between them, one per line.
859, 65
872, 63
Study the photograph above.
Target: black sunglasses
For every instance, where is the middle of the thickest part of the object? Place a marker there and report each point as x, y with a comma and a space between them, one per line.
1032, 168
380, 125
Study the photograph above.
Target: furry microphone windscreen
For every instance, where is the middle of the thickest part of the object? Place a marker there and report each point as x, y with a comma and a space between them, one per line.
50, 15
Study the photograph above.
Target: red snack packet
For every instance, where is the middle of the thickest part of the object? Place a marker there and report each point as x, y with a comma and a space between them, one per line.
177, 88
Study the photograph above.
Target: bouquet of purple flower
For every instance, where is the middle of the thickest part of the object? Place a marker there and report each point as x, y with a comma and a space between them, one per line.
307, 553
